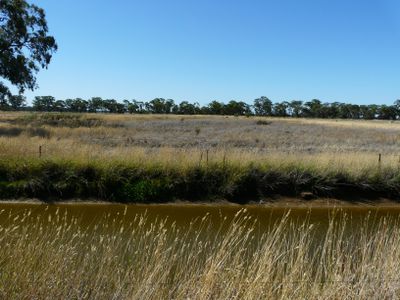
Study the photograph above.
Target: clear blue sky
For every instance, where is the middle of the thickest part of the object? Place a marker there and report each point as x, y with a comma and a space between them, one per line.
333, 50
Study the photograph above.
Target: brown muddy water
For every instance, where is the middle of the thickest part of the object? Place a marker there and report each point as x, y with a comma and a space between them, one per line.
182, 214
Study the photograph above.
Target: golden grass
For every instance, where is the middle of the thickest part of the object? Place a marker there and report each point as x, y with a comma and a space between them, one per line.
382, 124
323, 147
70, 149
170, 139
54, 257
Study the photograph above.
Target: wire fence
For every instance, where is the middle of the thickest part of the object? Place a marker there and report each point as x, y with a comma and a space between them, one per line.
205, 156
39, 152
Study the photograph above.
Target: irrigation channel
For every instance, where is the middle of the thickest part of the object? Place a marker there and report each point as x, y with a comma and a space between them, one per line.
181, 214
218, 217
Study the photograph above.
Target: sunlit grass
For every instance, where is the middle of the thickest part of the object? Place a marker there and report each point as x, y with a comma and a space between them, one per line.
54, 256
73, 150
215, 156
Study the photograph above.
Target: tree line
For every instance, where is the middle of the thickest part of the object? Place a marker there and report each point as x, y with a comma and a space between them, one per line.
262, 106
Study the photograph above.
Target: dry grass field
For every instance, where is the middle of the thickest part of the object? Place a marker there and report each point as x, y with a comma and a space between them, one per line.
307, 155
169, 137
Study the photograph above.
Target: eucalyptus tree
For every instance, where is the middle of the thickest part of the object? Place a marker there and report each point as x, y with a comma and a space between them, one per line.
25, 46
96, 104
262, 106
186, 108
238, 108
280, 109
160, 106
312, 108
44, 103
76, 105
16, 101
295, 108
215, 108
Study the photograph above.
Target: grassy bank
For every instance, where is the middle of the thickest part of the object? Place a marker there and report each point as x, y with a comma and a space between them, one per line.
133, 182
53, 257
158, 158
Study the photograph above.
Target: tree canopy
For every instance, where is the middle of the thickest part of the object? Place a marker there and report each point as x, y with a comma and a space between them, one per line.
261, 107
25, 45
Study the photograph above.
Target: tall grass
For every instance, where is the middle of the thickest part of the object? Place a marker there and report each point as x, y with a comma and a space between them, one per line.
55, 257
154, 182
161, 158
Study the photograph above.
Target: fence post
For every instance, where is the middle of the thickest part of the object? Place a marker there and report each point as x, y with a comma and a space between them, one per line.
207, 156
379, 158
40, 151
201, 158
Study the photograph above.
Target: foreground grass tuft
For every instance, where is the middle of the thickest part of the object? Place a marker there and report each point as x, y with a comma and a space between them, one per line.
55, 257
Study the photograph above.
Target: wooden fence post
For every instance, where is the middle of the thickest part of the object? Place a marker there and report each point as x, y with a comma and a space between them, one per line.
40, 151
201, 158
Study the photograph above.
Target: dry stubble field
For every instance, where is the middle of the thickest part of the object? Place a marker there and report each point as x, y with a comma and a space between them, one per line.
177, 139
